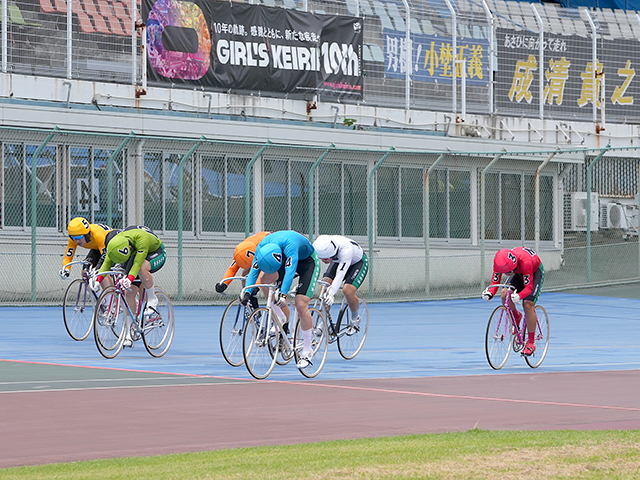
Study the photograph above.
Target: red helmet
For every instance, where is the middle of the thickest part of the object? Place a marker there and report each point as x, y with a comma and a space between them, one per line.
505, 261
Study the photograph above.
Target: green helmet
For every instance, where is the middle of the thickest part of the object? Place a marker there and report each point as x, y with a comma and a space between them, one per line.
119, 249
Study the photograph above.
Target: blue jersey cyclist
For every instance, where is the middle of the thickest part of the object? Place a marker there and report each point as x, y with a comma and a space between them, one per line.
290, 253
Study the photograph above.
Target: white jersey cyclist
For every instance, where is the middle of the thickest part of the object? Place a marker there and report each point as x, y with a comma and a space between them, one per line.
342, 253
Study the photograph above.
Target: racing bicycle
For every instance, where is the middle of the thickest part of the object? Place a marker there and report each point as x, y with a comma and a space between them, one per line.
113, 317
504, 334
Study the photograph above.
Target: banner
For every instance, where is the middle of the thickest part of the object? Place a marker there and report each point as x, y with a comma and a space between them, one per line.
432, 58
568, 75
240, 46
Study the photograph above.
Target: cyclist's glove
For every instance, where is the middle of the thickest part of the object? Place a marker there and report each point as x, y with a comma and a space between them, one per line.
94, 283
221, 287
487, 295
328, 298
64, 273
244, 298
126, 282
254, 302
515, 297
279, 298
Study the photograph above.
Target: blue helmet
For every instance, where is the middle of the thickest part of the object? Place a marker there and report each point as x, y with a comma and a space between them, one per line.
269, 257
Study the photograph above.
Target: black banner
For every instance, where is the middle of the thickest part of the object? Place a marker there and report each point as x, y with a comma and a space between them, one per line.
568, 85
227, 45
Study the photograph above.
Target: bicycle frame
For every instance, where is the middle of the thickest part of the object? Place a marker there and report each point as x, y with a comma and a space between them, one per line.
323, 307
123, 297
517, 331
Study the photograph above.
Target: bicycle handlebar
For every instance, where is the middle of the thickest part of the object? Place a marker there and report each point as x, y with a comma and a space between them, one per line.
75, 262
232, 278
501, 285
259, 285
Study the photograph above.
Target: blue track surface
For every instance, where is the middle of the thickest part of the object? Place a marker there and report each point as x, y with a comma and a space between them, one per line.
422, 339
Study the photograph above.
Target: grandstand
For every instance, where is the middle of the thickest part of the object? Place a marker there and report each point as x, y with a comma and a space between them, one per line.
399, 142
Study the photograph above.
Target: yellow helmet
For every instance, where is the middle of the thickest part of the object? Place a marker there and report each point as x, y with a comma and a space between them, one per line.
78, 226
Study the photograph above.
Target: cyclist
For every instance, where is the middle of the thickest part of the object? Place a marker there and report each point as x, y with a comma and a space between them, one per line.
242, 259
348, 263
86, 235
526, 273
149, 257
289, 253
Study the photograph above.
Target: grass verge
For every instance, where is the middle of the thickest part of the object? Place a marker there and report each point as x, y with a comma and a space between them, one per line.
475, 454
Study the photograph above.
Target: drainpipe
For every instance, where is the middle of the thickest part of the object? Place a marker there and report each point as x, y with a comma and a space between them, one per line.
312, 188
454, 44
110, 161
537, 197
180, 203
427, 233
589, 169
483, 220
34, 212
409, 55
594, 60
247, 188
540, 61
371, 222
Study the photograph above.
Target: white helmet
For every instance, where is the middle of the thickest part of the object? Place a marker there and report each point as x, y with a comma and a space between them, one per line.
325, 247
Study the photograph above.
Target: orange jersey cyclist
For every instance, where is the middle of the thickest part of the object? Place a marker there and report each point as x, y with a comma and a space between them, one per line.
243, 256
289, 253
348, 263
526, 273
86, 235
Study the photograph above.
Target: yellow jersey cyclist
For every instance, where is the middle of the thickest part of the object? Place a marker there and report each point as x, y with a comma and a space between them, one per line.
86, 235
141, 253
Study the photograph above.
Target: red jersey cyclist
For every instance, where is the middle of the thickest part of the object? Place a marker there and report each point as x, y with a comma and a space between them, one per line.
526, 273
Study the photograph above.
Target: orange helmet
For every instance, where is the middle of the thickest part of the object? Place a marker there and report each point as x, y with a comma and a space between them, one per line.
244, 253
504, 261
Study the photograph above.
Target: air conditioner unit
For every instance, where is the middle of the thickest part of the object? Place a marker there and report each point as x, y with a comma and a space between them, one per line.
576, 216
615, 216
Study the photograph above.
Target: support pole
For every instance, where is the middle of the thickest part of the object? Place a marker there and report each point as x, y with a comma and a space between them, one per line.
247, 188
537, 197
312, 188
110, 161
180, 203
589, 169
34, 212
371, 222
483, 220
427, 232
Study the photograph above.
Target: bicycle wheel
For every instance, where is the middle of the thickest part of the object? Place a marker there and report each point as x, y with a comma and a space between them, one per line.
352, 334
541, 338
232, 326
497, 344
77, 309
318, 342
109, 322
159, 327
259, 352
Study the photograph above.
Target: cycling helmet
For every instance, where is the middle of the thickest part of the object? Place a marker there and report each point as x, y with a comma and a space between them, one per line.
78, 226
325, 247
243, 254
269, 257
504, 261
119, 249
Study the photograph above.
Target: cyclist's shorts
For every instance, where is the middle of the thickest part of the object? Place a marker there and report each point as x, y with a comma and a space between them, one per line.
538, 278
157, 259
308, 271
93, 257
355, 274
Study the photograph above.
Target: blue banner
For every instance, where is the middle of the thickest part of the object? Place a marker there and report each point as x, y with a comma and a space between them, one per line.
432, 58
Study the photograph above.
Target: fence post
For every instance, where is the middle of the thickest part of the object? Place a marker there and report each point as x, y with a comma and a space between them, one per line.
589, 169
110, 161
483, 219
180, 202
34, 213
247, 188
537, 195
312, 187
427, 232
371, 222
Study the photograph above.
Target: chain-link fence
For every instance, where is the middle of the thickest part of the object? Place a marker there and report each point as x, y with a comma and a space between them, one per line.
203, 197
467, 56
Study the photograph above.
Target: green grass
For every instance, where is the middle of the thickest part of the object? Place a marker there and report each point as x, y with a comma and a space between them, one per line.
475, 454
